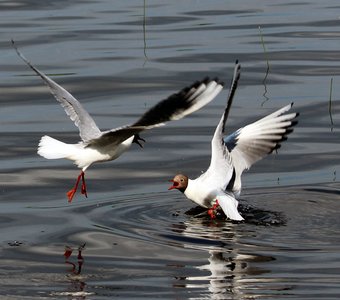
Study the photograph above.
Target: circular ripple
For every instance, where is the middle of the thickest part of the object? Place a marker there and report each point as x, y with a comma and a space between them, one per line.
156, 218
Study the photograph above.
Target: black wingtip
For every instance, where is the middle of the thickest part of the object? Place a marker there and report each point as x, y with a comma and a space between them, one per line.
232, 90
237, 63
278, 146
206, 80
294, 122
14, 45
289, 130
218, 81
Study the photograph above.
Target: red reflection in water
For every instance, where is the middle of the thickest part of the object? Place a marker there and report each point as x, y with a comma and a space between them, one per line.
76, 267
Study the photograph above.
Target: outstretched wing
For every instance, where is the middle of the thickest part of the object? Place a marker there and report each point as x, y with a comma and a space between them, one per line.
88, 129
182, 103
220, 170
174, 107
251, 143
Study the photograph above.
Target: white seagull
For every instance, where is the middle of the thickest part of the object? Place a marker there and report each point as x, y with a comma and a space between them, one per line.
220, 185
99, 146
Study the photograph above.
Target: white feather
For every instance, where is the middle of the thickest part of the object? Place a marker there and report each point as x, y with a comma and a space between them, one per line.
51, 148
229, 205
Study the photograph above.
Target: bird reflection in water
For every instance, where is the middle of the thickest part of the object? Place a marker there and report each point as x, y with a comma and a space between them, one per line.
228, 273
76, 269
78, 285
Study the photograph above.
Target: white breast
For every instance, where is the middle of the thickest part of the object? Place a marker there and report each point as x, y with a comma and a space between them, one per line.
85, 156
200, 193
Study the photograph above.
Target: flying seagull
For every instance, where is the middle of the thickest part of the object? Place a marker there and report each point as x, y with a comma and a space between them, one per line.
100, 146
220, 185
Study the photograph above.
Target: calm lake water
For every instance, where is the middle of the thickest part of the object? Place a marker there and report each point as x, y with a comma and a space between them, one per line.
141, 241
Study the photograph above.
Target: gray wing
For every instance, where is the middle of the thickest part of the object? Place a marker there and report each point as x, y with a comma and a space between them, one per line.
115, 137
88, 129
174, 107
221, 168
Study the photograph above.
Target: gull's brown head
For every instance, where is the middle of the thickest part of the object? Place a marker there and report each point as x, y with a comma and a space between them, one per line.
179, 182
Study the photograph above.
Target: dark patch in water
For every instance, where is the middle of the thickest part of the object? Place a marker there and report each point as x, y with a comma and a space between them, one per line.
252, 215
15, 243
258, 216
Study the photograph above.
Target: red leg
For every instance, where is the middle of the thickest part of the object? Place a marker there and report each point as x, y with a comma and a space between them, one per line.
211, 211
68, 252
83, 184
71, 192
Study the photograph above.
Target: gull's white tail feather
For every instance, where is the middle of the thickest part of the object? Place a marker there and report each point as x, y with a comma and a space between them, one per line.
51, 148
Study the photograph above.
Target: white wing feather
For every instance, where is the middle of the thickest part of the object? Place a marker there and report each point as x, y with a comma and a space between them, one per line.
229, 205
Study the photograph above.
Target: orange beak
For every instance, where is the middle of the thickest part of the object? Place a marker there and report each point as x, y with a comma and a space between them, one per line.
174, 186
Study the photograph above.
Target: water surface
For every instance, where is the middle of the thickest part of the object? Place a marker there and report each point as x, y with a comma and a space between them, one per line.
142, 241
